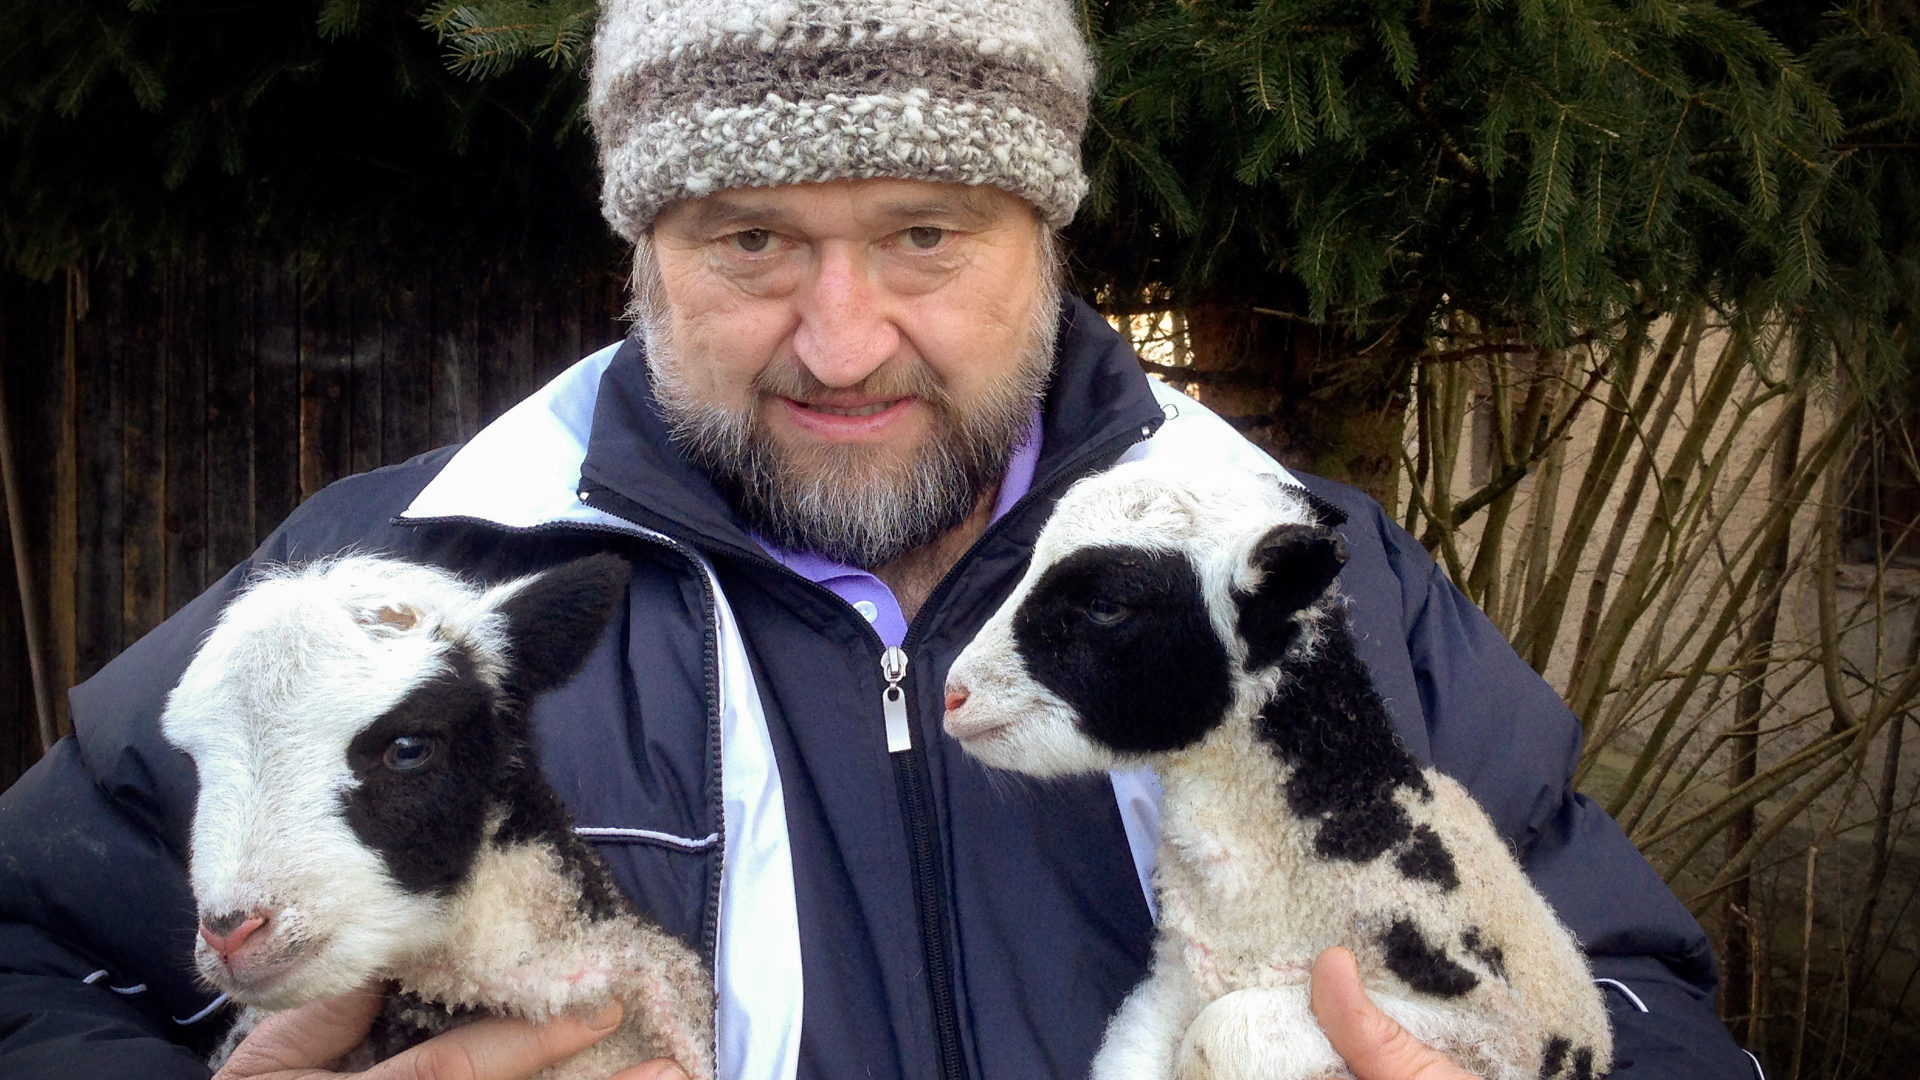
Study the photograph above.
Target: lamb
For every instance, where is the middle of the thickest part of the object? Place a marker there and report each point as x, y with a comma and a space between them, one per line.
370, 806
1190, 623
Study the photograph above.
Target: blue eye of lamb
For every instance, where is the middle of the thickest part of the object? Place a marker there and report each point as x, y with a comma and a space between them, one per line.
409, 752
1105, 612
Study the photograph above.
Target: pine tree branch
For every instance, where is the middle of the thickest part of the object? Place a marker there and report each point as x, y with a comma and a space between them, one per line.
1416, 100
1237, 379
1497, 348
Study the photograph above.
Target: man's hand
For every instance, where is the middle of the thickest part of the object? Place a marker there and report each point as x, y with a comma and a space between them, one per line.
298, 1043
1374, 1046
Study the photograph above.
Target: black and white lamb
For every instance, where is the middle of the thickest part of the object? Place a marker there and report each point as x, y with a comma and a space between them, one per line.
1190, 623
371, 807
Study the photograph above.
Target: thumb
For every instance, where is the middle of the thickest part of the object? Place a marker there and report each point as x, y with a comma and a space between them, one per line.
307, 1037
499, 1048
1374, 1046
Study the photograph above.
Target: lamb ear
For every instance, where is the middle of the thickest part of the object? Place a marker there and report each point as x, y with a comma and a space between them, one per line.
1295, 565
554, 618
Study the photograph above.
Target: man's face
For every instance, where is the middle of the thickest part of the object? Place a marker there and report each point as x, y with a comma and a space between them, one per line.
852, 362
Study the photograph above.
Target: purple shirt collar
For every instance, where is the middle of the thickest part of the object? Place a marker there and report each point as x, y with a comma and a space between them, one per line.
868, 595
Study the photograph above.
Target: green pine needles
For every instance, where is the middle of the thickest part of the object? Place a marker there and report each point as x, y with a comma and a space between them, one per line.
489, 38
1381, 169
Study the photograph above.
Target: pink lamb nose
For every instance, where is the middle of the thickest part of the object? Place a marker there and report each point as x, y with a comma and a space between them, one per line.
956, 696
225, 934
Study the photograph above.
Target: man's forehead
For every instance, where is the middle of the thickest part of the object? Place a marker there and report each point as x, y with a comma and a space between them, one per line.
883, 200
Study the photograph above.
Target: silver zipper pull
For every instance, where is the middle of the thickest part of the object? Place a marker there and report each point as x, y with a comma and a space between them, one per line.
893, 700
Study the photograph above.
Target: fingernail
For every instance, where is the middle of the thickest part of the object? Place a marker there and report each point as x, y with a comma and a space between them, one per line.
606, 1018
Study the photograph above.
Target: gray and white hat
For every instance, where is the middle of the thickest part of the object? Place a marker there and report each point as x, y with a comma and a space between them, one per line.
695, 96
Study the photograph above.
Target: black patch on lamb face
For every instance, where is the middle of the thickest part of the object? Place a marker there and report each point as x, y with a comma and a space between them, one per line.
1427, 859
427, 822
1122, 635
1297, 564
1329, 725
1423, 967
1583, 1063
1554, 1055
1487, 952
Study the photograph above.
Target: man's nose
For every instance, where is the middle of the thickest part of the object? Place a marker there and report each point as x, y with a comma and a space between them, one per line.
846, 329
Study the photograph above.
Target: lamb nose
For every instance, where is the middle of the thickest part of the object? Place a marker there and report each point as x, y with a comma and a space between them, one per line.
956, 697
226, 933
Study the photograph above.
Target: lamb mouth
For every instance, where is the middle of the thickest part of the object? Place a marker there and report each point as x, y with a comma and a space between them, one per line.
255, 985
971, 735
268, 982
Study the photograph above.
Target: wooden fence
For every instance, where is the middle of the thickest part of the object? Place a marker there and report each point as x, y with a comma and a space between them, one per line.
163, 421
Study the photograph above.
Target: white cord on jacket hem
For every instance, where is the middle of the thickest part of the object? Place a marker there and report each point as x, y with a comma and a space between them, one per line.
684, 843
1631, 996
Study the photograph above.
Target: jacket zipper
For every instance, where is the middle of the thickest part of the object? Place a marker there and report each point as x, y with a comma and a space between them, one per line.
923, 848
911, 777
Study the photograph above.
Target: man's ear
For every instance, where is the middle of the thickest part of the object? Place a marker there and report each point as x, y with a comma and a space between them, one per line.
554, 618
1294, 565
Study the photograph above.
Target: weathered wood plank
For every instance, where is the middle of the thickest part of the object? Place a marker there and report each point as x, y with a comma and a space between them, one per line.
367, 383
326, 373
32, 339
98, 516
185, 349
63, 562
231, 532
19, 733
500, 330
547, 316
523, 370
143, 442
276, 395
25, 663
455, 413
406, 367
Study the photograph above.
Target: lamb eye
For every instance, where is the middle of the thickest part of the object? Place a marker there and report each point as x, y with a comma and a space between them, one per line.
1104, 612
409, 752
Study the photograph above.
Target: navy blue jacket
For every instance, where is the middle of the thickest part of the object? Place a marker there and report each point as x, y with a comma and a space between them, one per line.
944, 920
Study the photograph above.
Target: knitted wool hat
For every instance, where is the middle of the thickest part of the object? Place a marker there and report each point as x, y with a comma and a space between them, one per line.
695, 96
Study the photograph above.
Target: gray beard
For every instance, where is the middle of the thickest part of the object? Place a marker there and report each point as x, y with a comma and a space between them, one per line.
852, 504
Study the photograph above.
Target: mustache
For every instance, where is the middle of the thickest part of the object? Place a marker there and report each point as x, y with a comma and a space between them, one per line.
789, 378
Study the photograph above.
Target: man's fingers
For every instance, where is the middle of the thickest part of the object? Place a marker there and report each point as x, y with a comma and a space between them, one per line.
1374, 1046
308, 1037
298, 1043
499, 1048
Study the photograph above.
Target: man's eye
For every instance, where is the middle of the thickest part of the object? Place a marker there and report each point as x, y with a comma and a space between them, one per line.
752, 241
925, 237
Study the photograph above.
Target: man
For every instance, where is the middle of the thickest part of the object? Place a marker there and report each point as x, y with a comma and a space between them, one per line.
853, 393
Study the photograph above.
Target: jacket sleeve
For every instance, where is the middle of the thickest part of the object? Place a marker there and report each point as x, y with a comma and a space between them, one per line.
1464, 700
96, 915
97, 918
